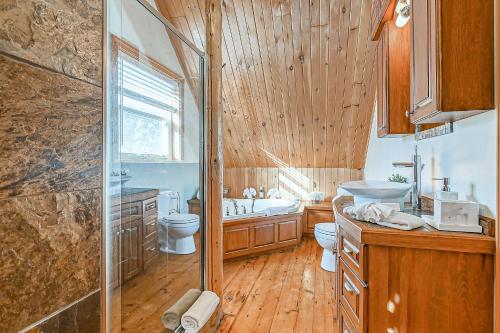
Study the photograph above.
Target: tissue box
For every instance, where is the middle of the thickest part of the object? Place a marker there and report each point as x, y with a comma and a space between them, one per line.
456, 215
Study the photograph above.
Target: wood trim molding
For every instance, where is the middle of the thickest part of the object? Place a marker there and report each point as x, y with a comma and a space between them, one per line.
213, 16
497, 103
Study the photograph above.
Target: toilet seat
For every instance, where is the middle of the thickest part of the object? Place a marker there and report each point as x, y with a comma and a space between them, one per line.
326, 229
181, 219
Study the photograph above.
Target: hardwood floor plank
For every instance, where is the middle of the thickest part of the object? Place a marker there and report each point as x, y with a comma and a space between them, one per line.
280, 292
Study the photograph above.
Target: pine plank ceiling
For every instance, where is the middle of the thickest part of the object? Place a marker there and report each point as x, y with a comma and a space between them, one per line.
298, 79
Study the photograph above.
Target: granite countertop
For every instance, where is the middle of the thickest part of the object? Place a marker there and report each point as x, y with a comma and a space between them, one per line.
130, 194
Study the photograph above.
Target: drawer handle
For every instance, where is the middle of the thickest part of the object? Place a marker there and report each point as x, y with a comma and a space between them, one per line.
349, 247
350, 288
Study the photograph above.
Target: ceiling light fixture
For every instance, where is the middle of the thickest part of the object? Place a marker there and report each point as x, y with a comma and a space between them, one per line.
402, 12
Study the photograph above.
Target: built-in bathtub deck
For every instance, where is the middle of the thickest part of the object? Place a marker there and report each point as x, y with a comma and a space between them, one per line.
255, 235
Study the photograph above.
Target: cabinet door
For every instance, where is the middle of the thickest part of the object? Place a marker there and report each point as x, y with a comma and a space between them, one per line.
115, 257
423, 58
132, 249
382, 84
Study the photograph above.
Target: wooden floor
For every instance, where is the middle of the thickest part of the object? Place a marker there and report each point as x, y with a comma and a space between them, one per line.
139, 304
280, 292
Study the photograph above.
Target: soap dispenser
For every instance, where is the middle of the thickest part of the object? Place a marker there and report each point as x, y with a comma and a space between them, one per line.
451, 214
445, 193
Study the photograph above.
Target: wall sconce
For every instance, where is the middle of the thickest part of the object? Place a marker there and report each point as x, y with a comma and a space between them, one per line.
402, 12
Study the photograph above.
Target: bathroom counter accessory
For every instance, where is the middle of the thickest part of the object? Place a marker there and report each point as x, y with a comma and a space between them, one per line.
384, 274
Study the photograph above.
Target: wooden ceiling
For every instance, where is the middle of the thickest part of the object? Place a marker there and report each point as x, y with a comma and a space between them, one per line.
298, 79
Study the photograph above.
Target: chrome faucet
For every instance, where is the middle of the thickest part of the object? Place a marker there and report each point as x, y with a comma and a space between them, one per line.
244, 209
253, 206
416, 188
235, 207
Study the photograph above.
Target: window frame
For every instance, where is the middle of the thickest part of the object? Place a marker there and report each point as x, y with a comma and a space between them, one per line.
119, 45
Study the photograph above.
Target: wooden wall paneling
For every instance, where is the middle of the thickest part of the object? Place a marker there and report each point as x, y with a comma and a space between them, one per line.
341, 60
278, 81
347, 107
307, 154
270, 87
291, 182
333, 66
363, 57
240, 80
214, 146
234, 34
293, 110
297, 56
253, 48
287, 78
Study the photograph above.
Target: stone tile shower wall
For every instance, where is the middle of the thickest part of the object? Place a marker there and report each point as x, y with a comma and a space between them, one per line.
50, 164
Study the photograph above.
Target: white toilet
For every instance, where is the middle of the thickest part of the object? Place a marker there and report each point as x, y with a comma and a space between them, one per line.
326, 236
176, 230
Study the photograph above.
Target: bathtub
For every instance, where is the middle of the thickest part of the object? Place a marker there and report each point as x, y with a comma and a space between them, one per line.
259, 209
258, 232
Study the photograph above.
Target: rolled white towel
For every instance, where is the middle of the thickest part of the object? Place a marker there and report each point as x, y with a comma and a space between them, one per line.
384, 214
274, 193
249, 193
172, 317
200, 312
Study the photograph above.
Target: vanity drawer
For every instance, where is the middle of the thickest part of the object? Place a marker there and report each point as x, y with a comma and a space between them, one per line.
131, 210
346, 325
150, 226
352, 252
352, 294
151, 251
150, 207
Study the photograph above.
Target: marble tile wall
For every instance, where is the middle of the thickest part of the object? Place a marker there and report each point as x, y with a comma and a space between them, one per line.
50, 163
63, 35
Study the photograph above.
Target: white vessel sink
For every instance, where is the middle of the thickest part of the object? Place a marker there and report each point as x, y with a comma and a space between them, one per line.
376, 191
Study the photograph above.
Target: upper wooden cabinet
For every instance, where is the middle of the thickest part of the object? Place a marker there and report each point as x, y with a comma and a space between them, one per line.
382, 11
393, 81
452, 59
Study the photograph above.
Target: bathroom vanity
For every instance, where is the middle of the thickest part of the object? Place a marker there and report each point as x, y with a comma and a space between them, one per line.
135, 218
316, 213
422, 280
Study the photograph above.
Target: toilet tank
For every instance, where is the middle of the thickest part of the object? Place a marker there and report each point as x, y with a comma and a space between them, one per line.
167, 201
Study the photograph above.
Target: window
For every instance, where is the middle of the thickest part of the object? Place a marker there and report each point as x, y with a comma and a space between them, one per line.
150, 98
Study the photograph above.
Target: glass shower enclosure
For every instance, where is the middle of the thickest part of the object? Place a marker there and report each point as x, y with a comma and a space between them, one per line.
153, 221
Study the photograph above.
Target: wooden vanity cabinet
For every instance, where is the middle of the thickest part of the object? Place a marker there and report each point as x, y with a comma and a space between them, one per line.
134, 235
393, 81
316, 213
452, 59
422, 280
132, 248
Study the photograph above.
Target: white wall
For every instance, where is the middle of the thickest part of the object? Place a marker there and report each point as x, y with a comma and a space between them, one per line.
468, 156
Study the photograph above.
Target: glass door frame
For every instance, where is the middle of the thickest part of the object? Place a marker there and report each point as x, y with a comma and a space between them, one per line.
105, 210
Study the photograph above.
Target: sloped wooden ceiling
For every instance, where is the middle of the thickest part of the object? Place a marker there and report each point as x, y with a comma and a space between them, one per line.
298, 79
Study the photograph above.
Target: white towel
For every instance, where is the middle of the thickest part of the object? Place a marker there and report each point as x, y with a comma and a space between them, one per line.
172, 317
201, 311
385, 215
274, 193
277, 210
249, 193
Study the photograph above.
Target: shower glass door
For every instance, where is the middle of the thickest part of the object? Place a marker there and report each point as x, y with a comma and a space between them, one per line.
153, 202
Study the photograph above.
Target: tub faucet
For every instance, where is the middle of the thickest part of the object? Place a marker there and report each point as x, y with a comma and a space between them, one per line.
235, 207
416, 188
253, 205
227, 211
244, 209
